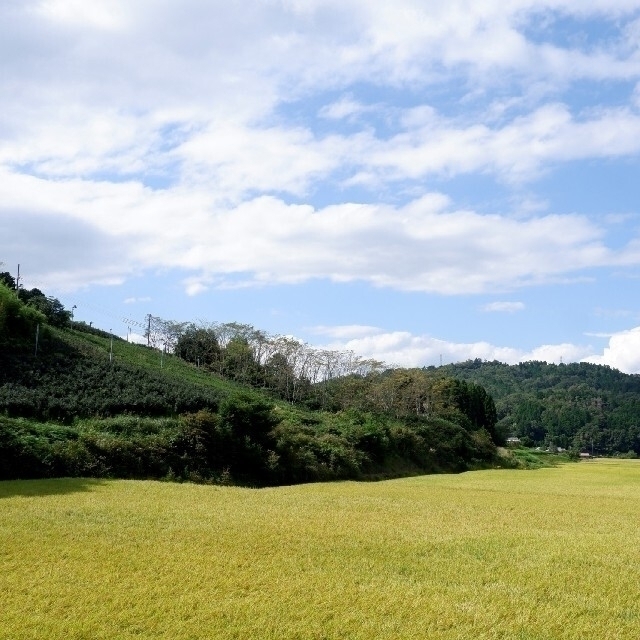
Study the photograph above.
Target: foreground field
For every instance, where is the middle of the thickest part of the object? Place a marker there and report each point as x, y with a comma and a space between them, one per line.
552, 553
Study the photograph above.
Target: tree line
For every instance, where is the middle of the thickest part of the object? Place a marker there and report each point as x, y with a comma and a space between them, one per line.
52, 310
324, 379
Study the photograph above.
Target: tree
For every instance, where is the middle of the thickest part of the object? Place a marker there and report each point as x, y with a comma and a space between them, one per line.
8, 280
52, 308
249, 420
198, 345
238, 362
17, 320
163, 334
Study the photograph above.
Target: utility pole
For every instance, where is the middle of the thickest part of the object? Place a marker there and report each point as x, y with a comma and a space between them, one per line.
111, 348
18, 282
149, 330
37, 336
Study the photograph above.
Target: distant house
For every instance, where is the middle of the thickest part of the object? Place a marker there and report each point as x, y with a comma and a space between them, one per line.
513, 441
585, 456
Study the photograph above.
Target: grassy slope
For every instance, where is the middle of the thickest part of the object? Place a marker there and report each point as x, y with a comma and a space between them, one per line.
85, 347
97, 348
74, 380
493, 554
145, 358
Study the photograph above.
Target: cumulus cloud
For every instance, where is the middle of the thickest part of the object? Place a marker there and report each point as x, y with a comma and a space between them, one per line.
134, 300
402, 348
427, 245
213, 75
346, 107
622, 352
517, 151
60, 252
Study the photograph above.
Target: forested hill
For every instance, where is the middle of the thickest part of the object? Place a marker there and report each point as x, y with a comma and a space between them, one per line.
223, 403
582, 406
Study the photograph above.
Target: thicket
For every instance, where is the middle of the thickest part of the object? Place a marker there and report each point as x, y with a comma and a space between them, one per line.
64, 382
246, 442
51, 310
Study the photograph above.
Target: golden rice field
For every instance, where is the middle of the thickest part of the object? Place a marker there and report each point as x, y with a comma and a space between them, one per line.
552, 553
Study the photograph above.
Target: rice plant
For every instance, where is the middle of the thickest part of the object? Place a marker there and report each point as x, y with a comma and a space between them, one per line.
545, 554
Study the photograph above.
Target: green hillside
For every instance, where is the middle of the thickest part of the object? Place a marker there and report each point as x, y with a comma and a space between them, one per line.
82, 403
579, 406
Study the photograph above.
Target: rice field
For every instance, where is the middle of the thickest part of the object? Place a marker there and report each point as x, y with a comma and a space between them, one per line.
545, 554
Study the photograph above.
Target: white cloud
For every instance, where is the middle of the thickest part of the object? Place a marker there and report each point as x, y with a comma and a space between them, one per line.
426, 245
154, 135
237, 158
99, 14
346, 107
623, 352
503, 307
517, 151
404, 349
401, 348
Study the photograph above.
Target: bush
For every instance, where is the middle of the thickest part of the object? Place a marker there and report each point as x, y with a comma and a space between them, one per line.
17, 321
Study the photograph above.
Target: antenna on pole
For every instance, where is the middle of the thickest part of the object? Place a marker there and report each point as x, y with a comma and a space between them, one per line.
18, 281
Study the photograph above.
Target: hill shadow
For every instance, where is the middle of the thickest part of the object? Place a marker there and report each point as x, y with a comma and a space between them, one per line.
47, 487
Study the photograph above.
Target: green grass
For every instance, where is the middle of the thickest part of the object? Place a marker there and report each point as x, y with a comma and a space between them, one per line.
146, 358
527, 458
551, 553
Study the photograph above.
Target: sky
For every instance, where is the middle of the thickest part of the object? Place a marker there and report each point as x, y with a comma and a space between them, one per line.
421, 182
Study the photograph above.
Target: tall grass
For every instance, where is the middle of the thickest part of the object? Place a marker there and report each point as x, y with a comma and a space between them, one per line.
544, 554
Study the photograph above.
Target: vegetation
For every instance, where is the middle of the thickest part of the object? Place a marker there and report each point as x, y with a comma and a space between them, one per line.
228, 405
577, 406
18, 322
486, 555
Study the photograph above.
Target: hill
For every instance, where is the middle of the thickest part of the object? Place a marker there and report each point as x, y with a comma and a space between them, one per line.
76, 401
579, 406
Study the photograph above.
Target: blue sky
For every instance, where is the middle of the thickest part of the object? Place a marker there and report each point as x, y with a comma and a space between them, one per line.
415, 181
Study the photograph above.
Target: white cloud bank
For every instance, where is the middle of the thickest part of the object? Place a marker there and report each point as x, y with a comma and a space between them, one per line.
165, 130
426, 245
402, 348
